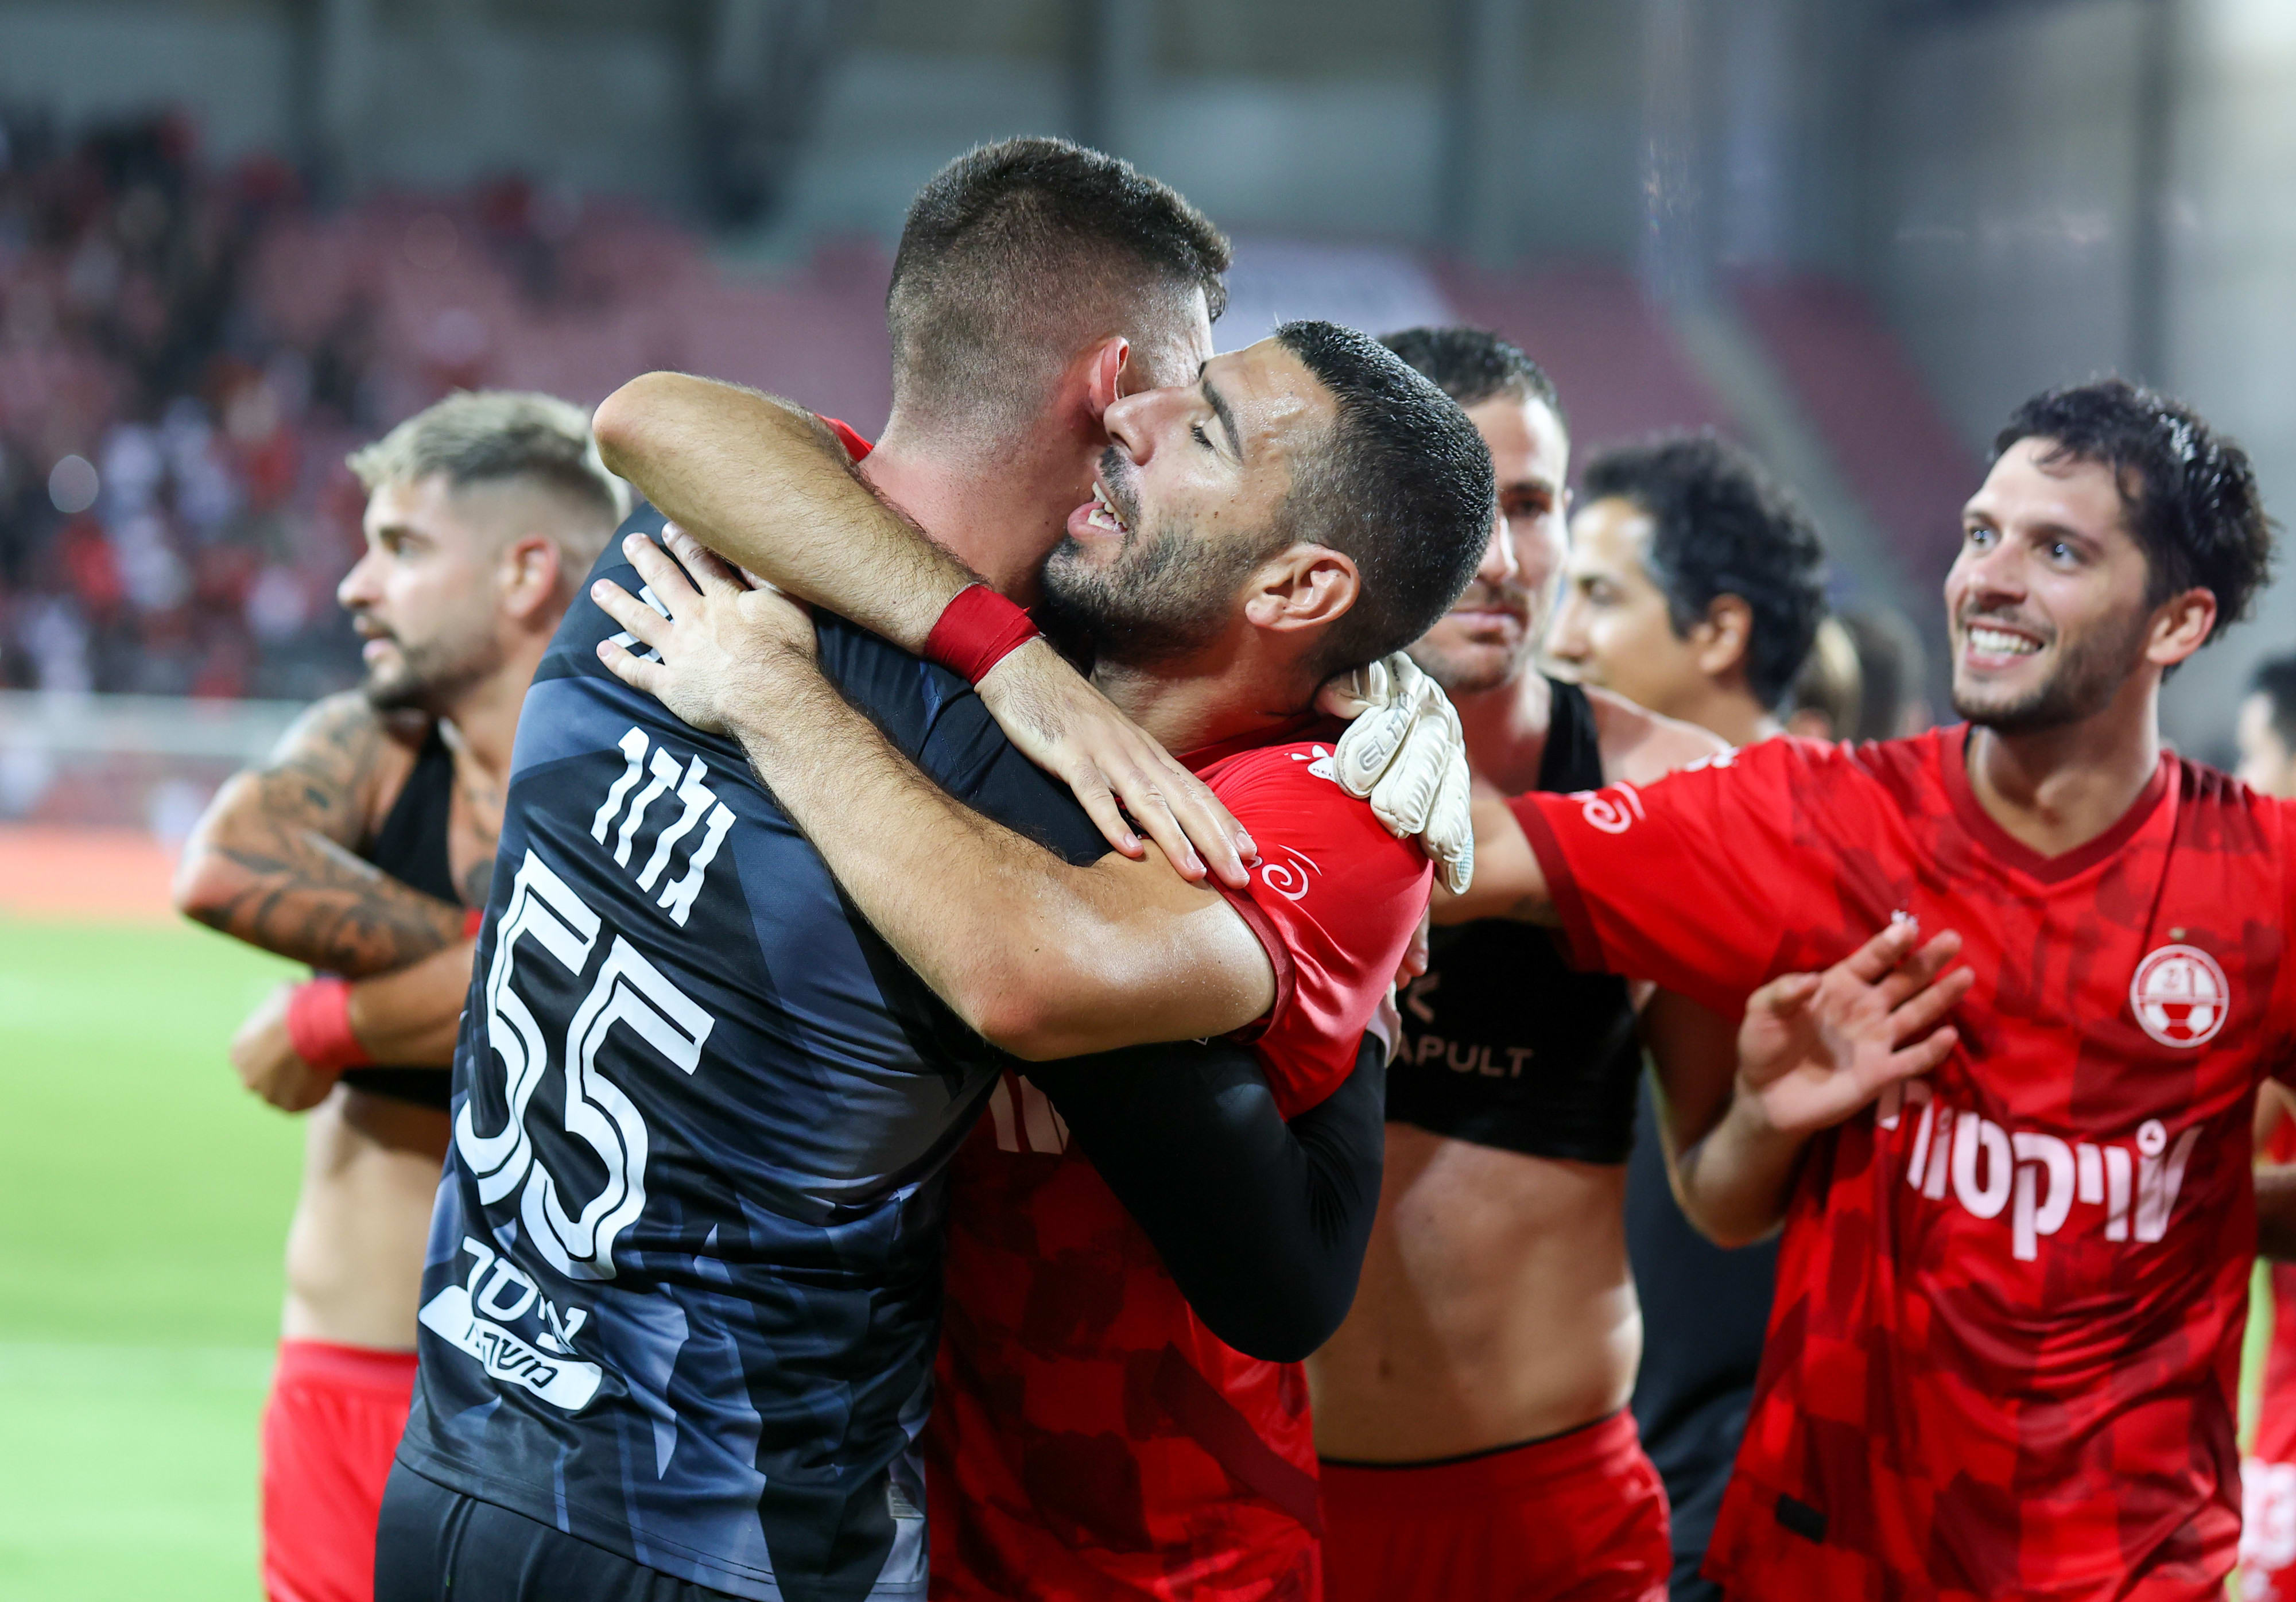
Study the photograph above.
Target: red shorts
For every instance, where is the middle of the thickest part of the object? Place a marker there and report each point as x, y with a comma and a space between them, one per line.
329, 1431
1580, 1515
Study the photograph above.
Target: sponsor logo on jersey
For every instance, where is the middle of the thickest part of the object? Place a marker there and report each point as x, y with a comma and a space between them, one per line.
2267, 1527
1289, 877
1613, 810
2036, 1178
2180, 996
475, 1317
1319, 763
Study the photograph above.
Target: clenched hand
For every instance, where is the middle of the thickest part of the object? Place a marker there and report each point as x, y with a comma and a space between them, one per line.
265, 1058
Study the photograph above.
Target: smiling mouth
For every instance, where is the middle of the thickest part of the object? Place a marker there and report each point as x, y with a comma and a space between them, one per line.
2000, 642
1104, 513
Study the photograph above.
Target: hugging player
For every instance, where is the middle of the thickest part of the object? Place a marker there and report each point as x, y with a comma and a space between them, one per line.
1302, 507
686, 1272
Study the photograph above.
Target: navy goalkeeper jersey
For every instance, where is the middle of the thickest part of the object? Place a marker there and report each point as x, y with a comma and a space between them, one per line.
683, 1286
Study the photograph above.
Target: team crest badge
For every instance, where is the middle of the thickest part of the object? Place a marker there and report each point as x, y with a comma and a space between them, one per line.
2180, 996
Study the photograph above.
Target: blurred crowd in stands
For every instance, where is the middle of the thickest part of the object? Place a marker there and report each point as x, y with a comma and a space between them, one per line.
187, 351
171, 513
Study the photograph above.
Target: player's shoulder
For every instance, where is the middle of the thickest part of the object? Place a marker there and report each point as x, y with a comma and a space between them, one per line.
1914, 761
1639, 745
347, 756
348, 719
1295, 778
2220, 811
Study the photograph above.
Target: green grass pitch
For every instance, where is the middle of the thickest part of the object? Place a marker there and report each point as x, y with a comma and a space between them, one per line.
143, 1201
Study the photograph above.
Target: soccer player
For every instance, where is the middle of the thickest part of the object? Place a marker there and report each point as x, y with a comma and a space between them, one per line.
1470, 1412
1693, 587
362, 848
686, 1273
2010, 1298
2267, 736
1308, 505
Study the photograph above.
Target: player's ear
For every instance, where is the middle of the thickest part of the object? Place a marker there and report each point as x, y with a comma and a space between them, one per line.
2181, 625
529, 572
1105, 365
1307, 587
1720, 640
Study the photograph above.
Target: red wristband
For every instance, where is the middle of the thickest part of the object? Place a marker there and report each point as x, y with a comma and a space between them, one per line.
474, 920
319, 1025
977, 630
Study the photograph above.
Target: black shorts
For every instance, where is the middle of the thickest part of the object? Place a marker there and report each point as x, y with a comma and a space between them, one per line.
437, 1544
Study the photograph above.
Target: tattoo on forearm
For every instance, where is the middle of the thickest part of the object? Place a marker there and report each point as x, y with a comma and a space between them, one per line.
313, 901
298, 890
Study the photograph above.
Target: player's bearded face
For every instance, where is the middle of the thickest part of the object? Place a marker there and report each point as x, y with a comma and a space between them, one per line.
1189, 499
422, 601
2085, 671
2048, 599
1163, 593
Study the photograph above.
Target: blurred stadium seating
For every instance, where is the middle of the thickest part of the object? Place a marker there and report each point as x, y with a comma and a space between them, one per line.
186, 356
187, 351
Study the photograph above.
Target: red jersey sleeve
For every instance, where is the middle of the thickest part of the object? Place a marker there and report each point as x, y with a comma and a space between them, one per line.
2278, 824
1335, 899
1692, 881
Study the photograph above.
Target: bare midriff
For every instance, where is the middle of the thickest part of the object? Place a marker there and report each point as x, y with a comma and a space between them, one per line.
354, 1249
1495, 1306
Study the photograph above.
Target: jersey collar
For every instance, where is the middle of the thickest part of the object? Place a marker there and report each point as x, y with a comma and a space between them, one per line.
2015, 852
1310, 725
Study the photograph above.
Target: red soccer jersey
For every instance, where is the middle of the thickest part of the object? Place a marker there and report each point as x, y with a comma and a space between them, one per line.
1090, 1438
2003, 1356
2267, 1531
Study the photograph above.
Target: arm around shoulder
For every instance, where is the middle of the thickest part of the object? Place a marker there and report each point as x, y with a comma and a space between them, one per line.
1639, 745
1509, 883
767, 485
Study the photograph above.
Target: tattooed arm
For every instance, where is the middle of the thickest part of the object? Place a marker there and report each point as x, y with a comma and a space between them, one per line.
273, 860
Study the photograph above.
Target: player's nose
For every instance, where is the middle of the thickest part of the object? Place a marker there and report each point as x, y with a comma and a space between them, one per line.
1137, 422
1566, 631
358, 588
1992, 576
1499, 566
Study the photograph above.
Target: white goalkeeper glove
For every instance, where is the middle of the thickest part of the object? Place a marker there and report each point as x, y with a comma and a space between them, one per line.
1404, 750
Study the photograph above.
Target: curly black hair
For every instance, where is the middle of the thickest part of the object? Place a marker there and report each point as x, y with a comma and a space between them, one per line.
1723, 528
2189, 495
1471, 365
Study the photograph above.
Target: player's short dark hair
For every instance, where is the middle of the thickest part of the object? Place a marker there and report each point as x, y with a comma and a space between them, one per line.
2189, 493
1474, 364
1402, 485
1017, 254
2275, 679
1725, 527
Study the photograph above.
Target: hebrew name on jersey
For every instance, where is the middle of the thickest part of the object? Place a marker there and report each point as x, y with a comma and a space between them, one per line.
684, 1279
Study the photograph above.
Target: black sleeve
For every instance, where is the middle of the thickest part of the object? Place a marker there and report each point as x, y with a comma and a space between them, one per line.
1262, 1223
